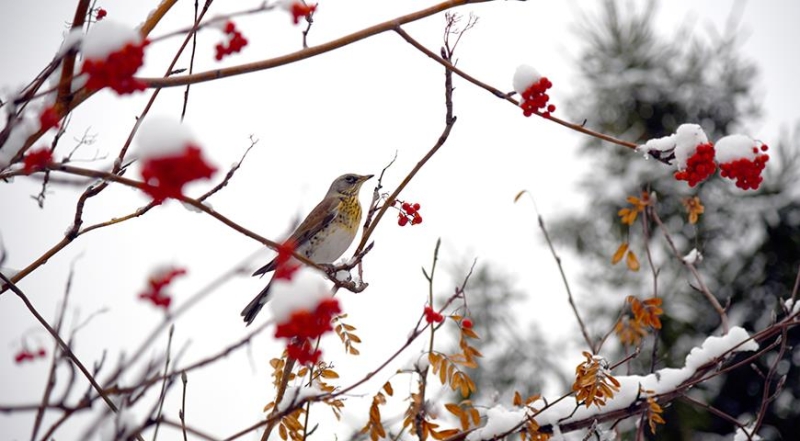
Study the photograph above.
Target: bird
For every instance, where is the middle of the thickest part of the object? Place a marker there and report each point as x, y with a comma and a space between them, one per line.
323, 236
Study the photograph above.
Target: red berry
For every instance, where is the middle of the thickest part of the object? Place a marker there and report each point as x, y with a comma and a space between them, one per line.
466, 323
416, 207
230, 28
37, 159
699, 166
402, 220
49, 118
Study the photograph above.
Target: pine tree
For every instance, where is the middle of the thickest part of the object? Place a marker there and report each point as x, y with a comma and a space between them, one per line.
638, 85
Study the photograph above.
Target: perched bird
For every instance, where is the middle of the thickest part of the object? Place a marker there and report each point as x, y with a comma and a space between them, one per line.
324, 235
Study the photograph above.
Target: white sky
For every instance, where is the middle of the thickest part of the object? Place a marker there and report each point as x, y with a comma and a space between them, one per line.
346, 111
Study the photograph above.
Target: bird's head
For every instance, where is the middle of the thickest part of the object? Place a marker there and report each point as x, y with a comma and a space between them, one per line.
348, 184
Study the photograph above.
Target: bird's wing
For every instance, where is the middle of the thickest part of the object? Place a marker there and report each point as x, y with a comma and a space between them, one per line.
320, 216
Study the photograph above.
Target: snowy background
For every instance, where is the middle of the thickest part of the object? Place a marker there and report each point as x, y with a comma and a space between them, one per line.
345, 111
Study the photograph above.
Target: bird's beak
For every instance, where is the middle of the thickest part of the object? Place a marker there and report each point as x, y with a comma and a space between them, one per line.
366, 178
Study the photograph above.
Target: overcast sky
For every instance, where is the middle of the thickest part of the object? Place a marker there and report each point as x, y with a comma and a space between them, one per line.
346, 111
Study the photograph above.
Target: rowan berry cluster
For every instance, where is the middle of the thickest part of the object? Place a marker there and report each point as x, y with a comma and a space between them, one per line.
408, 213
746, 172
304, 325
117, 69
535, 98
739, 157
301, 9
157, 285
432, 316
37, 159
284, 266
165, 176
27, 355
699, 166
234, 44
49, 118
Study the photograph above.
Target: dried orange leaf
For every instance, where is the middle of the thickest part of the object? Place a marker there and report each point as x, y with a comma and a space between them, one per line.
447, 433
453, 408
476, 416
632, 261
329, 373
388, 388
469, 332
620, 253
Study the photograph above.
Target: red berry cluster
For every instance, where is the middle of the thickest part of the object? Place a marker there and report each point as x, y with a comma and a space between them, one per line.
164, 177
699, 166
234, 44
301, 9
284, 267
101, 14
37, 159
746, 172
49, 118
303, 352
156, 285
432, 316
534, 98
306, 325
117, 70
26, 355
408, 213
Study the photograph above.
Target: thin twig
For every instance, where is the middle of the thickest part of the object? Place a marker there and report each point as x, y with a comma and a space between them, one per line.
51, 377
571, 300
163, 395
182, 413
796, 287
714, 410
450, 120
654, 271
61, 343
183, 308
229, 175
307, 53
194, 49
499, 94
703, 288
766, 396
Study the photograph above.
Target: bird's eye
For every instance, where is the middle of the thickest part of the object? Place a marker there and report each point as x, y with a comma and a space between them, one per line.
350, 179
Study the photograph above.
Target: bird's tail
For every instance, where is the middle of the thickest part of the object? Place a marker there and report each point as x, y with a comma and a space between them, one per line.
251, 310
